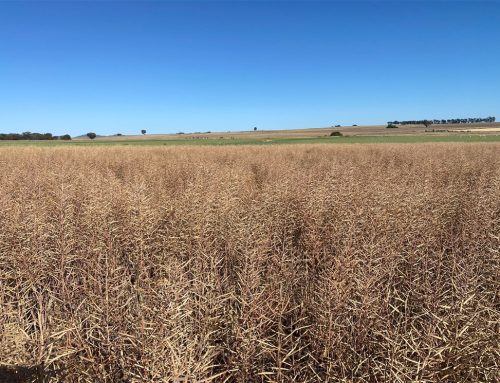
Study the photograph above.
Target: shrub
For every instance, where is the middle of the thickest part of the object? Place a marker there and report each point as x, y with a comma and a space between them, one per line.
391, 126
335, 134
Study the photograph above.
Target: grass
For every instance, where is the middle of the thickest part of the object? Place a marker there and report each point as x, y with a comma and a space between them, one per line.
290, 263
262, 141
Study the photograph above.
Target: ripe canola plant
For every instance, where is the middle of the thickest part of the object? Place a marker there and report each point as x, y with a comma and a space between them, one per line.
289, 263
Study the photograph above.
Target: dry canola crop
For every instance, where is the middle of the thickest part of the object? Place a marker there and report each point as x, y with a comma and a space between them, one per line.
303, 263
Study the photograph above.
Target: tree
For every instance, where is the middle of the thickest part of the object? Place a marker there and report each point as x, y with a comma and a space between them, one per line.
143, 131
255, 128
91, 135
427, 123
66, 137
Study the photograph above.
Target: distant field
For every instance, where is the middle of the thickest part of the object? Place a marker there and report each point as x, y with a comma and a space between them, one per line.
368, 130
351, 135
248, 140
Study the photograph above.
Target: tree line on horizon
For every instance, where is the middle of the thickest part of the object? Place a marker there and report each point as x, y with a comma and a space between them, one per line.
444, 122
33, 136
46, 136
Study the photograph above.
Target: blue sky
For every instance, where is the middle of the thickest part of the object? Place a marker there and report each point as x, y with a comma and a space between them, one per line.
109, 67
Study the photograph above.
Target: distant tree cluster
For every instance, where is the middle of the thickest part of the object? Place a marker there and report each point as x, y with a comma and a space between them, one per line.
443, 122
33, 136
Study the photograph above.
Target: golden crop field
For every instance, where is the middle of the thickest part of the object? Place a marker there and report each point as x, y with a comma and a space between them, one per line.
290, 263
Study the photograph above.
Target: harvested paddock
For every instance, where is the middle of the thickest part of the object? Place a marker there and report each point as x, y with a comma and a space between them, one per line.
303, 263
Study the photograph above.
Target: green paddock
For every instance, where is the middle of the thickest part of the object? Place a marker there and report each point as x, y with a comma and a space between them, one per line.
401, 139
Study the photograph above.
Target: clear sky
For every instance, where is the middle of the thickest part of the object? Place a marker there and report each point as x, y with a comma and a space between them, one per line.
118, 67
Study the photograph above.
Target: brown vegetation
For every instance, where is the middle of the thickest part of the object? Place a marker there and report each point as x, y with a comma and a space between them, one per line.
251, 264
